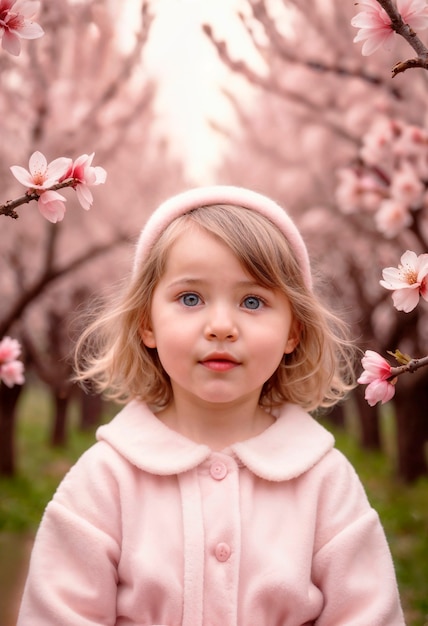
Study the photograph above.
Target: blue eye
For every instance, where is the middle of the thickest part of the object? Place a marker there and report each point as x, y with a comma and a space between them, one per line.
252, 302
190, 299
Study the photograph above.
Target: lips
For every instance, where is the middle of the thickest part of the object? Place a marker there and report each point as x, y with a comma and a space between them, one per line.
219, 362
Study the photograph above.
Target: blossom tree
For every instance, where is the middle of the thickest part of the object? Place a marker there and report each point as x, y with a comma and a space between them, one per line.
309, 109
379, 21
388, 183
74, 92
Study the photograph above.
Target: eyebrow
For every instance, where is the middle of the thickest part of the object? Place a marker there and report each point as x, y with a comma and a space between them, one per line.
195, 282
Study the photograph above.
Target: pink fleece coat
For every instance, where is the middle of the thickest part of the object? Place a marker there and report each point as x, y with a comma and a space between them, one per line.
150, 528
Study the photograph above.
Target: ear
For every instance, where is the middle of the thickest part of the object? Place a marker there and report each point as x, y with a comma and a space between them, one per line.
293, 338
148, 337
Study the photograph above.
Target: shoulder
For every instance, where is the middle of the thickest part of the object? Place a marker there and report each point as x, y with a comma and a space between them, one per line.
289, 448
101, 470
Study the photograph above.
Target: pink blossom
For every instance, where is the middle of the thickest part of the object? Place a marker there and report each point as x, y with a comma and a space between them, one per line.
379, 391
357, 192
408, 282
393, 216
10, 349
411, 142
86, 175
16, 24
51, 206
41, 175
414, 13
11, 370
348, 190
12, 373
412, 145
375, 25
376, 374
376, 149
406, 186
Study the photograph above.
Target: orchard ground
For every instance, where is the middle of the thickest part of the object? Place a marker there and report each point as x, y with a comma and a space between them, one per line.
402, 508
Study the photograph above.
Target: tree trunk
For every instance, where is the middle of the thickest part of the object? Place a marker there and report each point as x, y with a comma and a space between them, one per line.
91, 408
8, 402
59, 425
336, 415
368, 416
412, 430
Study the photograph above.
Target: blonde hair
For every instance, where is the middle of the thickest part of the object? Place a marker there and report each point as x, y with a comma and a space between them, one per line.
319, 371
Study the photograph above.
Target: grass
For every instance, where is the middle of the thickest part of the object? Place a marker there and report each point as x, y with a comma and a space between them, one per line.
24, 497
403, 508
40, 467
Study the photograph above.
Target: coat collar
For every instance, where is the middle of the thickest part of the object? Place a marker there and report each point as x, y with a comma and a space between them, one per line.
291, 446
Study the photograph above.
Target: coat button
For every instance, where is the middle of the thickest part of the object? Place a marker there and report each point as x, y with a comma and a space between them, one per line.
222, 552
218, 470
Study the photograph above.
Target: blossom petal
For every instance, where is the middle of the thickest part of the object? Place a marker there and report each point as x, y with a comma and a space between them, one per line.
12, 373
366, 378
377, 41
392, 279
409, 258
10, 349
100, 175
37, 163
376, 364
405, 299
22, 175
414, 13
85, 159
84, 196
57, 168
51, 206
379, 391
31, 30
10, 42
422, 266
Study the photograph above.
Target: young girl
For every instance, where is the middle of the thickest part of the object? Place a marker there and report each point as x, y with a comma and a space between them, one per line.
214, 498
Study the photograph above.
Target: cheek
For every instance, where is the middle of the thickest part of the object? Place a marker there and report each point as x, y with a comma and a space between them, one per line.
173, 356
268, 348
166, 337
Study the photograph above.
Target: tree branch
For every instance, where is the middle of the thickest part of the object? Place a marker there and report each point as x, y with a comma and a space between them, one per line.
411, 367
317, 65
52, 274
8, 208
269, 83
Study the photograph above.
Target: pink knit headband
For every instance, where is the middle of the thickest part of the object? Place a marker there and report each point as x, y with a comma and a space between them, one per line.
184, 202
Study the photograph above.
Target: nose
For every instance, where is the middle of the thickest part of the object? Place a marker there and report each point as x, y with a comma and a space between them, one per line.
221, 325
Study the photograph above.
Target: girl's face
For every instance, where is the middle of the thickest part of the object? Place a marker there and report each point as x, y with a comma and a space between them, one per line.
219, 335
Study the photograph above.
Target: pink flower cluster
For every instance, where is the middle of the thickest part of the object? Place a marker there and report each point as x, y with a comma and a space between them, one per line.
390, 177
408, 282
376, 375
16, 24
11, 370
375, 24
42, 176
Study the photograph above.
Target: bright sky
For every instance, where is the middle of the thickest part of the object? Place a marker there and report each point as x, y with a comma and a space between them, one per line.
191, 75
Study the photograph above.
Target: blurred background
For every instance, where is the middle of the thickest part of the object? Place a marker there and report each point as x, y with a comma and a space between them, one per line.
272, 95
